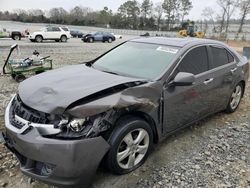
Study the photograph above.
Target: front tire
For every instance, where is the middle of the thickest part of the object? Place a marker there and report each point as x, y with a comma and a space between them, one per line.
91, 40
20, 78
131, 142
235, 98
39, 39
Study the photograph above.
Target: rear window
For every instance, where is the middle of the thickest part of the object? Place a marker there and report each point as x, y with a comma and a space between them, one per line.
219, 57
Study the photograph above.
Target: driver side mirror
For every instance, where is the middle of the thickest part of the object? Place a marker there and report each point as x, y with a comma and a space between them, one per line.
183, 79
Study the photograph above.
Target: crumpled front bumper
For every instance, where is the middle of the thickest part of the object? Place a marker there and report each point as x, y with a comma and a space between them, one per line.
70, 163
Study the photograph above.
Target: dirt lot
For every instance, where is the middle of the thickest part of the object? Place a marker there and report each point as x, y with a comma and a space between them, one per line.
212, 153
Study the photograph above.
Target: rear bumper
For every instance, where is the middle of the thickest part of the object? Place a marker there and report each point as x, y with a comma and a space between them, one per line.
69, 163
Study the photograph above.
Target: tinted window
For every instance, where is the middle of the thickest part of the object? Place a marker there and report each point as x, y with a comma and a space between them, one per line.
56, 29
49, 29
65, 28
230, 57
219, 56
195, 62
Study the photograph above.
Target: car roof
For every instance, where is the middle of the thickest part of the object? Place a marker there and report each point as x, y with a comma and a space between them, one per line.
178, 42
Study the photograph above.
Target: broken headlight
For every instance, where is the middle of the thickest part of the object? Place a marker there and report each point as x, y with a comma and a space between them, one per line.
85, 127
77, 125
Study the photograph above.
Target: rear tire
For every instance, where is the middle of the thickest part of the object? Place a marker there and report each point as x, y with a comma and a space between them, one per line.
110, 40
235, 98
131, 142
63, 38
16, 37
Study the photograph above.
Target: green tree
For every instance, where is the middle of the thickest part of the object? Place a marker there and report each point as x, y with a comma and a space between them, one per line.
244, 6
104, 16
185, 7
171, 8
58, 15
146, 8
130, 12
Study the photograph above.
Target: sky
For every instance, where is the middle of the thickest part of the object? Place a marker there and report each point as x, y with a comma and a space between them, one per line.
195, 13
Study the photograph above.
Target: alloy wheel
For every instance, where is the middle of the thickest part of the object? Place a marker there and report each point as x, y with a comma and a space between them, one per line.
133, 148
236, 96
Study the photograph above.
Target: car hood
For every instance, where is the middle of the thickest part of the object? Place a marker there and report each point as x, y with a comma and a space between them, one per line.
53, 91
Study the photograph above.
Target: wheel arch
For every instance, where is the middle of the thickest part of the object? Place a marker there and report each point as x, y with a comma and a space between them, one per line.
146, 117
39, 35
63, 35
243, 85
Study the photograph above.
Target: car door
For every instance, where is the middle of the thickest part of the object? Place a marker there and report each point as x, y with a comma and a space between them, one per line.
47, 33
98, 36
185, 104
56, 32
224, 71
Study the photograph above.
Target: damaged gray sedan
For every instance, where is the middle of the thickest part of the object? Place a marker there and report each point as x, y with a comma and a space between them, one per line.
61, 124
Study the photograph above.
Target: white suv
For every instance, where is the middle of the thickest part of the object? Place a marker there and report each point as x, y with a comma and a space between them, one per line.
50, 33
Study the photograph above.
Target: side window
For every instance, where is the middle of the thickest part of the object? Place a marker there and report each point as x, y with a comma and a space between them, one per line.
195, 62
56, 29
230, 57
219, 56
49, 29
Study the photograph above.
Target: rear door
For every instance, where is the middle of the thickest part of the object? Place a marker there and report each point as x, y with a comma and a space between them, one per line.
185, 104
56, 33
223, 70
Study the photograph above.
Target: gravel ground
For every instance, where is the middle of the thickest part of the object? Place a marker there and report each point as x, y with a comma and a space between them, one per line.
212, 153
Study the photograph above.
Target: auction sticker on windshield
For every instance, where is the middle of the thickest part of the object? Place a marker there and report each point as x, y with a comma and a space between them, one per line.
167, 49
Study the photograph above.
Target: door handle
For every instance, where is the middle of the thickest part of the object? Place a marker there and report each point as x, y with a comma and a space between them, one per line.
233, 70
207, 81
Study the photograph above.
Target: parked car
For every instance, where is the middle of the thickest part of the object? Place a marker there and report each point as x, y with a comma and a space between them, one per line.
50, 33
76, 33
15, 35
98, 36
145, 34
117, 36
115, 108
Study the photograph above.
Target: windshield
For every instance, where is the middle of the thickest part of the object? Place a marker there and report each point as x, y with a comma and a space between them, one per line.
137, 60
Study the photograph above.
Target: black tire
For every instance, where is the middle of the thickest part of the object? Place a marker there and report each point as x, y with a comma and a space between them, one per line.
16, 37
63, 38
39, 38
13, 76
110, 40
19, 77
32, 40
91, 40
238, 93
123, 128
39, 72
57, 40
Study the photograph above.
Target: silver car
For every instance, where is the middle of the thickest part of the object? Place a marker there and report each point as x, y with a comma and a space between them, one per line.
62, 123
